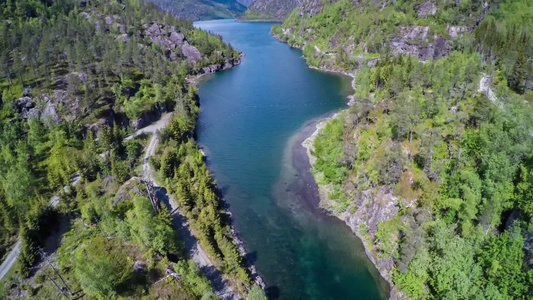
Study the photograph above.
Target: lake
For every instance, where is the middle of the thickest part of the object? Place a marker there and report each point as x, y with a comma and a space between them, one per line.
252, 121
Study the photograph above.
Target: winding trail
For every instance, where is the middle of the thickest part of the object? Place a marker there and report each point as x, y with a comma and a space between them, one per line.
11, 259
221, 287
13, 255
152, 128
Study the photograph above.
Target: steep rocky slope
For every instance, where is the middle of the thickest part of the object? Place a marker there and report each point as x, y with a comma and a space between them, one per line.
173, 43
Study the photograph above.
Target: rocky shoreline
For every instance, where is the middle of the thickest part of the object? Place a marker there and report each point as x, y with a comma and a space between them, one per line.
384, 269
346, 217
351, 98
194, 80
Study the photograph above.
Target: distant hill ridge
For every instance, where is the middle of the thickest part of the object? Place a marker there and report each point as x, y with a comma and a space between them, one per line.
197, 10
270, 10
279, 10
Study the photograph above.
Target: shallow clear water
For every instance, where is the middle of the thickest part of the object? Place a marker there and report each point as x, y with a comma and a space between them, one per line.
250, 126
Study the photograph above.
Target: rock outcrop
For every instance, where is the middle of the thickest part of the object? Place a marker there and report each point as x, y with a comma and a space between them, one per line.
131, 187
173, 42
416, 41
169, 38
426, 9
27, 107
311, 7
371, 210
456, 31
279, 10
149, 116
45, 107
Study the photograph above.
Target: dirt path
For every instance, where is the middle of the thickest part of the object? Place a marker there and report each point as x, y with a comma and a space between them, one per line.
10, 260
152, 128
13, 255
196, 253
220, 285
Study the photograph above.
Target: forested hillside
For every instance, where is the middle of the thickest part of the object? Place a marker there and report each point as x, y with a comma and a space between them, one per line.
432, 166
197, 10
270, 10
77, 77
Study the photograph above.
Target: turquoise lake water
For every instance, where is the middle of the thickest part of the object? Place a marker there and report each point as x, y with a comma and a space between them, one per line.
250, 125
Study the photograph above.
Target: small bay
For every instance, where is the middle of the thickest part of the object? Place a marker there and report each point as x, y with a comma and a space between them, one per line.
252, 122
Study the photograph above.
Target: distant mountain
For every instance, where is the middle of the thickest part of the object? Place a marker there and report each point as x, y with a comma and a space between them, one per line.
196, 10
270, 10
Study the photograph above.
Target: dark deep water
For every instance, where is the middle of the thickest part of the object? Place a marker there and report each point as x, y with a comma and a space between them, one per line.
251, 121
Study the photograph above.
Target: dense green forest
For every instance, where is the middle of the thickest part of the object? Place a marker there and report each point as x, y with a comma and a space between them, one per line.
445, 165
77, 77
181, 166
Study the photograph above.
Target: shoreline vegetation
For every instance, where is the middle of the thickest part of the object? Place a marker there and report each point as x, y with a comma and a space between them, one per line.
241, 246
324, 190
325, 200
431, 165
195, 80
